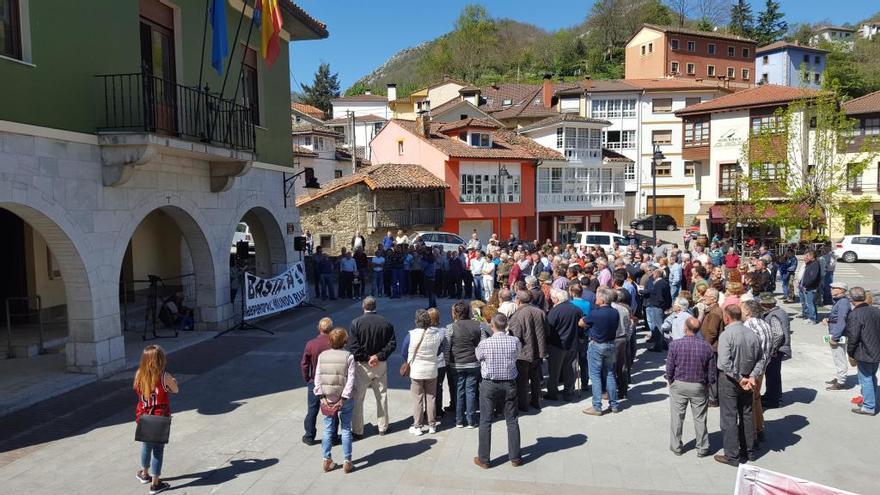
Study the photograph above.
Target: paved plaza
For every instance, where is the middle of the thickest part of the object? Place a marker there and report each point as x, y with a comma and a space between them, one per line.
238, 422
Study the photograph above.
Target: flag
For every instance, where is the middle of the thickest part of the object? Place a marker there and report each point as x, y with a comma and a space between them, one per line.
219, 38
270, 36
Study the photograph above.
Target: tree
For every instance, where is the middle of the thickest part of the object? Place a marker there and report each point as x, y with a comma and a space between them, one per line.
712, 13
324, 88
771, 24
681, 9
842, 72
705, 24
800, 34
742, 23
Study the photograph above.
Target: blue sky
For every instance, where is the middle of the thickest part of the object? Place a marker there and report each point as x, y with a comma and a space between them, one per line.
363, 34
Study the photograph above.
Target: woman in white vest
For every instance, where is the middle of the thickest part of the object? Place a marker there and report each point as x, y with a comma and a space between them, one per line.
334, 383
424, 346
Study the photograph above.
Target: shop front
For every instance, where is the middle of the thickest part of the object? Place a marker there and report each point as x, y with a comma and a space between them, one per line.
562, 227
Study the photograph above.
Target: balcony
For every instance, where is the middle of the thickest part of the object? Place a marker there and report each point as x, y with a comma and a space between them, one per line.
580, 188
377, 219
142, 116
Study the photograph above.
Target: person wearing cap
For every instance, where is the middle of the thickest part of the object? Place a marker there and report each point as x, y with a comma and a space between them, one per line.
836, 322
777, 318
863, 347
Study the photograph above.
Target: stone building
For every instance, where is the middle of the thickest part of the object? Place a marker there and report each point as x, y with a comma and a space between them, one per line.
376, 199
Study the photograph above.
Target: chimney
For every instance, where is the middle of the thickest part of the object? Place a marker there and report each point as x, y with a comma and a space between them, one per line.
392, 91
368, 92
423, 124
547, 91
587, 83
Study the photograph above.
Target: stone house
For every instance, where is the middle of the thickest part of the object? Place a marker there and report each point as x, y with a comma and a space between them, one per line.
373, 201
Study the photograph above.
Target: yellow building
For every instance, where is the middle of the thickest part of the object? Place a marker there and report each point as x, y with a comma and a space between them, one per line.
408, 107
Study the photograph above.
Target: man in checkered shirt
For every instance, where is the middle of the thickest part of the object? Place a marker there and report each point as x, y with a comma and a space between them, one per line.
497, 356
690, 369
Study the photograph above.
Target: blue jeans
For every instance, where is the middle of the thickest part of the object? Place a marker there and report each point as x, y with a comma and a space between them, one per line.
478, 287
312, 415
152, 454
466, 396
676, 288
808, 304
826, 287
602, 358
397, 286
329, 429
785, 293
378, 283
867, 374
327, 286
654, 317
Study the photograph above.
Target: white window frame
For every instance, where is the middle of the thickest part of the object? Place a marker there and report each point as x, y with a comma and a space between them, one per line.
746, 74
691, 69
711, 48
731, 73
674, 67
484, 139
480, 188
710, 71
664, 143
626, 140
691, 46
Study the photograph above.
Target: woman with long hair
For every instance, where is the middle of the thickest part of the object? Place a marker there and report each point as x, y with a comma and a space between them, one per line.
152, 384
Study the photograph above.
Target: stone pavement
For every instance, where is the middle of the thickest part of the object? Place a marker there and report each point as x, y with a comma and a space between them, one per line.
238, 422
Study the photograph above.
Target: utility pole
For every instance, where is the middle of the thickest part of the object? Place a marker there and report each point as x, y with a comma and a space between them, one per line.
656, 160
353, 144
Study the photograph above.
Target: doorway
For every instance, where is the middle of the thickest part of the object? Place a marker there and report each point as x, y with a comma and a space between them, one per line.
158, 66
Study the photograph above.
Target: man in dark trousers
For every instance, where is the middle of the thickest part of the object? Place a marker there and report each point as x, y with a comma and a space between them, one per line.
308, 364
778, 320
741, 362
658, 299
528, 324
371, 342
562, 338
863, 346
808, 286
710, 329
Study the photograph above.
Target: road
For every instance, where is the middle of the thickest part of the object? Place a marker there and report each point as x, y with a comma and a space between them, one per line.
238, 422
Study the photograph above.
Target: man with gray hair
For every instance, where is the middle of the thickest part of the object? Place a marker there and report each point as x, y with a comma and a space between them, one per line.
673, 325
528, 324
507, 305
863, 347
562, 337
690, 369
371, 343
602, 324
534, 288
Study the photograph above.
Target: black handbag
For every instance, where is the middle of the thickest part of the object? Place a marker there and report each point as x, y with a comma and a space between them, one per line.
153, 429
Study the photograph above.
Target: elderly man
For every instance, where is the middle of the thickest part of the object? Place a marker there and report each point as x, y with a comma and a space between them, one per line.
602, 324
562, 338
863, 346
673, 325
690, 369
528, 324
534, 289
836, 322
711, 328
657, 300
506, 306
809, 284
371, 342
621, 341
777, 318
752, 318
604, 274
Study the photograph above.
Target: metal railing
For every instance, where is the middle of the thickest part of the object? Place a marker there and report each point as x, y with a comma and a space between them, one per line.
38, 312
137, 102
405, 218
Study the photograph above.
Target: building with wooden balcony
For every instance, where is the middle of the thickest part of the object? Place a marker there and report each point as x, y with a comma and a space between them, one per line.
863, 144
376, 199
128, 162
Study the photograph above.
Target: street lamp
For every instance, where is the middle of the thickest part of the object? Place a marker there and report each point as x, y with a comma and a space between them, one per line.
502, 174
655, 161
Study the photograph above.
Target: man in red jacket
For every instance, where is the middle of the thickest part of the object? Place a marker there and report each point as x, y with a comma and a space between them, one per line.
309, 361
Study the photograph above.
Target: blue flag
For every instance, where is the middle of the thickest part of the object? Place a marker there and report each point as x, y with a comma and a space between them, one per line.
219, 38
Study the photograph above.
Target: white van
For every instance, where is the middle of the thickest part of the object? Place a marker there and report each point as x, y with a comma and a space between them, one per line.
601, 239
242, 233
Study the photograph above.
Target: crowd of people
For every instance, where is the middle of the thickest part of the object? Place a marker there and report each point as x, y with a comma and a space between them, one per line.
529, 319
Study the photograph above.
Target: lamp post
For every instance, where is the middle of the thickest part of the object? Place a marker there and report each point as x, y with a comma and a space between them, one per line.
502, 174
655, 161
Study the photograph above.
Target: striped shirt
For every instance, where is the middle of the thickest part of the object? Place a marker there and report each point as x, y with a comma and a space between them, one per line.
497, 356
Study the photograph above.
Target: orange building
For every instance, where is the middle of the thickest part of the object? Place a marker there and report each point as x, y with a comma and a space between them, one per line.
663, 51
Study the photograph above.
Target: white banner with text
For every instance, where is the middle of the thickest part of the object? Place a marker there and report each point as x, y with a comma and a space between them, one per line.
266, 296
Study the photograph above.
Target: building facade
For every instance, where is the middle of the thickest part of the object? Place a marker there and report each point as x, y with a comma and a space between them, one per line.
370, 114
863, 145
122, 175
790, 64
843, 36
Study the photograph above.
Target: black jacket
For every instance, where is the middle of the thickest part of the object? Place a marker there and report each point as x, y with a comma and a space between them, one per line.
810, 278
463, 342
371, 334
538, 299
658, 294
863, 333
562, 325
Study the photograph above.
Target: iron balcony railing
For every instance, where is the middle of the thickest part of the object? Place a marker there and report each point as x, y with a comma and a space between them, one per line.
138, 102
404, 218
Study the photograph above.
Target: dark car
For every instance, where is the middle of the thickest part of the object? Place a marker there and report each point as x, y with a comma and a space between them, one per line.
646, 222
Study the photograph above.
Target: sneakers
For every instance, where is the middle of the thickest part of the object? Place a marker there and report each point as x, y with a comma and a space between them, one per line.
471, 427
860, 410
161, 487
858, 400
143, 478
432, 430
416, 430
459, 426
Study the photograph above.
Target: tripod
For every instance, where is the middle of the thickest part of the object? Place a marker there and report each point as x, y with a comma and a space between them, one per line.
242, 324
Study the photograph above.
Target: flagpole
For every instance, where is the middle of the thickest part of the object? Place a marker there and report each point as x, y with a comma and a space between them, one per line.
234, 45
204, 35
243, 54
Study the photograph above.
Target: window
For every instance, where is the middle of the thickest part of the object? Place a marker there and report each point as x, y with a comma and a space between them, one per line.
710, 70
853, 179
765, 60
400, 147
764, 78
650, 47
692, 47
767, 124
728, 178
673, 44
710, 48
746, 52
506, 102
325, 241
664, 169
731, 72
692, 69
696, 133
769, 172
482, 188
806, 59
662, 138
643, 50
817, 77
731, 51
629, 172
250, 83
481, 140
307, 141
10, 29
691, 101
297, 119
423, 106
319, 143
745, 74
579, 143
816, 60
337, 174
560, 133
619, 140
662, 105
377, 127
689, 169
673, 67
613, 108
871, 127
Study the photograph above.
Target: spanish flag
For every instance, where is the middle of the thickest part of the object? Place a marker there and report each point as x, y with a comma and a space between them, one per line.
270, 29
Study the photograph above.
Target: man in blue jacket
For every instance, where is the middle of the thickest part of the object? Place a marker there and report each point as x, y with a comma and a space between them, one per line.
658, 299
808, 286
836, 322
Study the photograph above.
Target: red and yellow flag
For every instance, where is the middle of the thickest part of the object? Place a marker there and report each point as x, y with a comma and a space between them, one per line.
270, 29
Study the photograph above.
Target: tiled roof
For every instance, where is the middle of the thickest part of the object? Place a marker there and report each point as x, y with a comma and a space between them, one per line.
695, 32
505, 145
358, 118
303, 151
781, 45
609, 86
562, 117
343, 153
309, 128
364, 97
676, 83
833, 28
495, 95
307, 109
765, 95
469, 89
870, 103
465, 123
386, 176
610, 156
296, 11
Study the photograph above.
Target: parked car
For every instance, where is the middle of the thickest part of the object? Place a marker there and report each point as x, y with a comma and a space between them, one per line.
857, 247
242, 233
646, 222
601, 239
446, 240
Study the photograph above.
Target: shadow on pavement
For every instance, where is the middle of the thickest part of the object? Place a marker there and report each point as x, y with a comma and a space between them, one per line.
223, 474
546, 445
780, 433
802, 395
398, 452
638, 394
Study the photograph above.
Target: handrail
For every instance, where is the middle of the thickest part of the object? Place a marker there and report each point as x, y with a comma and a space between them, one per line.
9, 315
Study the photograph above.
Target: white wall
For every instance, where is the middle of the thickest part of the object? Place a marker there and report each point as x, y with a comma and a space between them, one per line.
361, 108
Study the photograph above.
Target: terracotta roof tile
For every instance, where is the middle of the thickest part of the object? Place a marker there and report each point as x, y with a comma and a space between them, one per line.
675, 83
559, 118
785, 44
384, 176
870, 103
609, 156
308, 110
465, 123
296, 11
309, 128
303, 151
765, 95
358, 118
697, 32
364, 97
